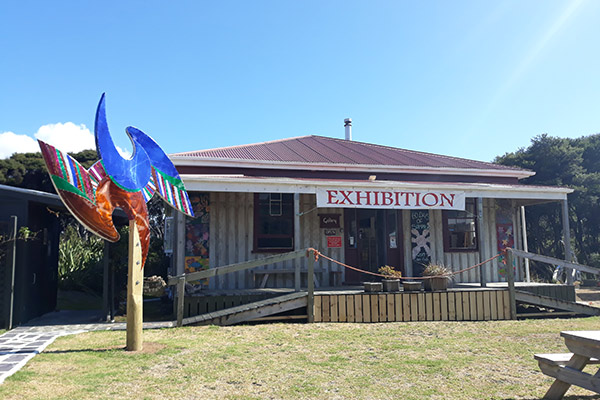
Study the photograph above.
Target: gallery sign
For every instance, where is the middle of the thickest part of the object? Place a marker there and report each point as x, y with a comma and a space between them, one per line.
405, 199
329, 220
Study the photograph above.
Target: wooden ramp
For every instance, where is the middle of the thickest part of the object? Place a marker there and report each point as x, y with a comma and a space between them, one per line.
569, 307
251, 311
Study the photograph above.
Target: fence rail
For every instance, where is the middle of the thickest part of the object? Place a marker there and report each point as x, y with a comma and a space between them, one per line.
556, 261
180, 280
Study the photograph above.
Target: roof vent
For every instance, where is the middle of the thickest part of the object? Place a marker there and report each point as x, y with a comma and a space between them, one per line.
348, 126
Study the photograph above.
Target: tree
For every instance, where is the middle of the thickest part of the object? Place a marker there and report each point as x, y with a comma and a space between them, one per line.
27, 170
573, 163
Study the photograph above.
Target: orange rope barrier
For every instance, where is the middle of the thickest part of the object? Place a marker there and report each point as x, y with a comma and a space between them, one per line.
318, 254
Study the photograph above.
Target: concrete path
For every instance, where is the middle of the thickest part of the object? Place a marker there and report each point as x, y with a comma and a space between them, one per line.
21, 344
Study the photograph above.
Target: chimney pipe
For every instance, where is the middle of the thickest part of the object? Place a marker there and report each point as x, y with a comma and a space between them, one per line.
348, 127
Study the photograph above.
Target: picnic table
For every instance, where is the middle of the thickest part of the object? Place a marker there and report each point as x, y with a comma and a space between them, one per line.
567, 368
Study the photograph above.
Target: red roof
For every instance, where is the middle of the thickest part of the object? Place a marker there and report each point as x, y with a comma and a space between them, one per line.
326, 150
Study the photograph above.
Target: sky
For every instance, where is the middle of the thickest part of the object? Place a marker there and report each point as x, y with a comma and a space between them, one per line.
471, 79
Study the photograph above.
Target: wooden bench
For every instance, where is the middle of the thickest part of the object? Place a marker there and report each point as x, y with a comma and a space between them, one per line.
559, 359
265, 273
567, 368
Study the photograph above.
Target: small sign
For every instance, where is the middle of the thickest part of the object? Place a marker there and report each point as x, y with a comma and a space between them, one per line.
168, 236
330, 232
334, 241
329, 220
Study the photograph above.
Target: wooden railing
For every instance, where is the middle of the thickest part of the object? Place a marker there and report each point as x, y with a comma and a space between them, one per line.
180, 280
556, 261
510, 278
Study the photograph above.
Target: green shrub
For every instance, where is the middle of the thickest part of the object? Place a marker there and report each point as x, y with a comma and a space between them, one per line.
80, 260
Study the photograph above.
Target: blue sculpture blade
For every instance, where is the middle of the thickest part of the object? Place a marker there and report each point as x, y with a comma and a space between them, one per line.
129, 174
166, 178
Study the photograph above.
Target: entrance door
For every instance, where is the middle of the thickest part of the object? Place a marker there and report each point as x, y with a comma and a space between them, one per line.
372, 240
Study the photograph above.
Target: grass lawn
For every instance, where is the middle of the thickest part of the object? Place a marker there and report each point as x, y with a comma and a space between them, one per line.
439, 360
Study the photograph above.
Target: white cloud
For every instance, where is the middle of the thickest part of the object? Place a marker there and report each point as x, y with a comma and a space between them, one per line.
12, 143
66, 137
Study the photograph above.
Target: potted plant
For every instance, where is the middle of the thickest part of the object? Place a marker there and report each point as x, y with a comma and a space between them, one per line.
438, 277
392, 281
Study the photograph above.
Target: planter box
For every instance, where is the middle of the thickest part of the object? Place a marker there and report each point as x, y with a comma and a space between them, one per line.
436, 284
373, 287
411, 286
391, 285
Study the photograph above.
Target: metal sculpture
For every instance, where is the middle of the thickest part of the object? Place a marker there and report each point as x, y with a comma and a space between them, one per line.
116, 182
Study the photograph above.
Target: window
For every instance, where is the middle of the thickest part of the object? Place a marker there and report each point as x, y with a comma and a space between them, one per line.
460, 228
273, 222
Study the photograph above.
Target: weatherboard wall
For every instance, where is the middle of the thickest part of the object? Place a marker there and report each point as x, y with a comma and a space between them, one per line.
231, 241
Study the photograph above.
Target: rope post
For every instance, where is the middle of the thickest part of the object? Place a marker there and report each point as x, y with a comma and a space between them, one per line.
310, 312
180, 300
510, 279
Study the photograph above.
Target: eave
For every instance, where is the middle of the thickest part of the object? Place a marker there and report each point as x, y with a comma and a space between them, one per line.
239, 163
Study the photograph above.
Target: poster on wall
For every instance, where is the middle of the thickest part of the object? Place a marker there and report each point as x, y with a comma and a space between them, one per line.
504, 235
334, 241
421, 240
197, 235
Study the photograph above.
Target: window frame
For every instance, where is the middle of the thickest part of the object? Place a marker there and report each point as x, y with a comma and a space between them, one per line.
257, 219
446, 228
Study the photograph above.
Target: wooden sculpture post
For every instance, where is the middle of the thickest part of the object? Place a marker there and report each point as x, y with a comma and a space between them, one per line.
135, 285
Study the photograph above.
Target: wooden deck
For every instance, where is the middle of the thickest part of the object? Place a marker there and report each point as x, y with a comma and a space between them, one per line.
453, 305
464, 302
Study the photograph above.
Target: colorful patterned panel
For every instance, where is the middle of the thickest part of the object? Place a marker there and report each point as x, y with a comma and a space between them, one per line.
197, 235
173, 192
505, 234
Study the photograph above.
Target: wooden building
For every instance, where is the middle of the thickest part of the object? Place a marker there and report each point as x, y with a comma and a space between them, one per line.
28, 265
363, 204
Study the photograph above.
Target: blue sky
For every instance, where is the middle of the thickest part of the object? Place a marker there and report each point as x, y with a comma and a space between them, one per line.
472, 79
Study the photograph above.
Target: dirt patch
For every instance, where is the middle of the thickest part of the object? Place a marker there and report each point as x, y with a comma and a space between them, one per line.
149, 348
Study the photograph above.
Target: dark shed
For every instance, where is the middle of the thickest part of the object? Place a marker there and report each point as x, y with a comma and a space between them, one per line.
36, 261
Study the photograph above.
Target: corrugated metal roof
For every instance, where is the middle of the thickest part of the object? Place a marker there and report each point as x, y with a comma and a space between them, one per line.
326, 150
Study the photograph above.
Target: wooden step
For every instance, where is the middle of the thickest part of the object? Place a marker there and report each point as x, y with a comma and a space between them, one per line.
251, 311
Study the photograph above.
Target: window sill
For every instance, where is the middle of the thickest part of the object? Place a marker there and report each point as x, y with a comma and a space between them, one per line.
274, 251
461, 250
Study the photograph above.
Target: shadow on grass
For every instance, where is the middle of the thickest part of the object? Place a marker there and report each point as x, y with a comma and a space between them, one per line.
148, 348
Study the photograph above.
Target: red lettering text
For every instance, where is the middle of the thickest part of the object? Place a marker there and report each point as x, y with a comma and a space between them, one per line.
450, 199
435, 199
331, 196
